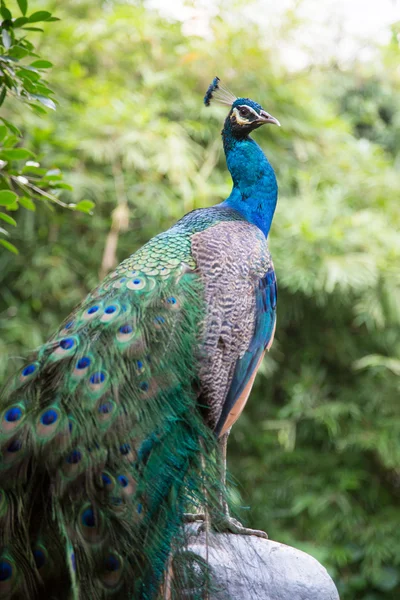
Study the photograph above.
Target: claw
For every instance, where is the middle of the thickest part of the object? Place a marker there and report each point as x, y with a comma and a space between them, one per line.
193, 517
228, 524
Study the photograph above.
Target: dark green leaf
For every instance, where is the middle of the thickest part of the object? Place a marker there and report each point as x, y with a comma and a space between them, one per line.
52, 19
27, 203
85, 206
23, 6
18, 52
5, 13
9, 82
7, 197
9, 246
41, 64
3, 94
5, 36
40, 15
16, 154
32, 29
19, 22
8, 219
25, 72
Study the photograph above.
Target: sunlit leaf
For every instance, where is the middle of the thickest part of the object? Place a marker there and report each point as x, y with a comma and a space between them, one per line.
41, 64
85, 206
27, 203
8, 219
7, 197
9, 246
16, 154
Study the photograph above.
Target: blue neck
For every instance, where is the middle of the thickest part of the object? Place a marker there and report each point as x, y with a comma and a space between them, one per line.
255, 190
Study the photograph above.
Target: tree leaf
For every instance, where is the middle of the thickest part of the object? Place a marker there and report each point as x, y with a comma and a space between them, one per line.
85, 206
31, 74
7, 197
62, 186
37, 109
32, 29
3, 94
3, 132
9, 246
45, 101
17, 52
40, 15
10, 141
41, 64
11, 127
20, 22
5, 36
5, 13
8, 219
23, 6
16, 154
27, 203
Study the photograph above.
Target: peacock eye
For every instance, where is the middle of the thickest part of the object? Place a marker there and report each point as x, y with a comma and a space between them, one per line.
243, 111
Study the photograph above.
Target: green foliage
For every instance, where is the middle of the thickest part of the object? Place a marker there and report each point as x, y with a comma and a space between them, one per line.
22, 179
316, 452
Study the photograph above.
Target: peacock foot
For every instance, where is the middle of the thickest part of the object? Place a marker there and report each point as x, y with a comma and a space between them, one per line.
193, 517
226, 524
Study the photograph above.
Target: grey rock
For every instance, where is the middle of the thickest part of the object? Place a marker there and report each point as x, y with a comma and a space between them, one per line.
251, 568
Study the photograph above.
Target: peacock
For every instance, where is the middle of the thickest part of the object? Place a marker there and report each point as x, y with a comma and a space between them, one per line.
113, 434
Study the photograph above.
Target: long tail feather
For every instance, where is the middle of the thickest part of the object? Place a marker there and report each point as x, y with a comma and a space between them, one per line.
101, 443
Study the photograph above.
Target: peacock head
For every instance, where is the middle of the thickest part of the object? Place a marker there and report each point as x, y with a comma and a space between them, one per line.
244, 116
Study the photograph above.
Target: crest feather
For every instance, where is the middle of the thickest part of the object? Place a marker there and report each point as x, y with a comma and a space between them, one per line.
219, 93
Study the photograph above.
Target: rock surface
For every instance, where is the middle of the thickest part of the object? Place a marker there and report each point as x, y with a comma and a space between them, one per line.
251, 568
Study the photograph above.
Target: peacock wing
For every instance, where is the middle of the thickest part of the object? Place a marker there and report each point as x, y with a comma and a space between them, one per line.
240, 290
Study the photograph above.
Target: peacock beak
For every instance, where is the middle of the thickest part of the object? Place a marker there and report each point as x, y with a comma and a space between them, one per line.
267, 118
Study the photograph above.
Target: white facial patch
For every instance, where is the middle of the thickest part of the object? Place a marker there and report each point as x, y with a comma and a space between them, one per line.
244, 120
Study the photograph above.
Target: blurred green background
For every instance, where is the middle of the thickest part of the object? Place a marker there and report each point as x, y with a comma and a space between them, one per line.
316, 455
